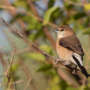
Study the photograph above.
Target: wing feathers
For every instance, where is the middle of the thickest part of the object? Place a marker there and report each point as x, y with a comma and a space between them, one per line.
73, 44
83, 70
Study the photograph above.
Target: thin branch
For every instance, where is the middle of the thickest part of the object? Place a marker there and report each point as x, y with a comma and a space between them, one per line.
34, 10
28, 83
3, 62
10, 85
29, 14
27, 73
16, 82
62, 71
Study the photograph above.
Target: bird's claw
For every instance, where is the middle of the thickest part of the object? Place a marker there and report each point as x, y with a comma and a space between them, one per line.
57, 60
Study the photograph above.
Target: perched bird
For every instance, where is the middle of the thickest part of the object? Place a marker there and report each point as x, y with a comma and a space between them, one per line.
69, 49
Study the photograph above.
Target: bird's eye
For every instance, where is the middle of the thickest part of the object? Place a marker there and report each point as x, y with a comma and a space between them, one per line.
62, 29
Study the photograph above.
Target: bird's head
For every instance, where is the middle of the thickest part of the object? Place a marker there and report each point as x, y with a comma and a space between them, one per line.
64, 31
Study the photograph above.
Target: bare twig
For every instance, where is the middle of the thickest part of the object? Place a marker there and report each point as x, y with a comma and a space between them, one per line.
10, 85
62, 71
16, 82
27, 73
3, 62
28, 83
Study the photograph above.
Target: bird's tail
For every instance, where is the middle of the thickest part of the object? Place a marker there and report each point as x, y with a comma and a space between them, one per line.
82, 68
84, 71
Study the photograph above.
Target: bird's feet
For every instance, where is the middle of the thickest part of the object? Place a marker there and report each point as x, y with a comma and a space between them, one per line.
57, 61
74, 71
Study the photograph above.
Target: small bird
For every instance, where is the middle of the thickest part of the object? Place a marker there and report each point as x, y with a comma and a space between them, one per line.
69, 49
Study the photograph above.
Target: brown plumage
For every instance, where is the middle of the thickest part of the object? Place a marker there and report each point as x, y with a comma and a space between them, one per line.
73, 44
69, 48
67, 44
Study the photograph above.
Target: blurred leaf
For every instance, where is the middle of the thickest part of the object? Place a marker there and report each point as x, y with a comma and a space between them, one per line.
87, 87
32, 37
87, 6
39, 34
63, 85
76, 1
87, 31
45, 67
71, 88
20, 3
14, 67
69, 6
36, 35
79, 15
86, 22
57, 15
47, 70
48, 14
16, 17
46, 48
32, 23
51, 3
35, 0
35, 56
54, 83
73, 7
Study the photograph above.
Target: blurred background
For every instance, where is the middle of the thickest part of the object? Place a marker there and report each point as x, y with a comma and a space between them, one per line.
21, 67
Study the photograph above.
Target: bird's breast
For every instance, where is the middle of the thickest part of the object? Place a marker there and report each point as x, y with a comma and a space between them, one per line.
63, 53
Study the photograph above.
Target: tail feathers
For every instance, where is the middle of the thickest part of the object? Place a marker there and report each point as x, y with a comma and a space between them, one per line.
88, 75
83, 70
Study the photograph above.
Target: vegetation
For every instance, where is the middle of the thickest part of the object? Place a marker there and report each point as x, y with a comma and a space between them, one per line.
28, 63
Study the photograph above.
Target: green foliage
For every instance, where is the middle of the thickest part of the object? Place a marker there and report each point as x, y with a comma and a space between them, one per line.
70, 13
69, 6
46, 48
79, 15
32, 23
35, 36
14, 67
45, 67
63, 85
76, 1
35, 56
86, 23
87, 31
21, 3
51, 3
54, 83
49, 14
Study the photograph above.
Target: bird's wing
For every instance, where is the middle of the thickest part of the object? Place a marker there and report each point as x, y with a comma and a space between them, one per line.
72, 43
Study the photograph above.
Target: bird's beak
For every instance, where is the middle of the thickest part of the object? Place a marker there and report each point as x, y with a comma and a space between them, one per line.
56, 30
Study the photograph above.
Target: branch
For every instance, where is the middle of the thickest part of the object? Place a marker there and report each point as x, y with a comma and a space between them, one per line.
11, 8
28, 75
34, 10
2, 61
64, 72
13, 12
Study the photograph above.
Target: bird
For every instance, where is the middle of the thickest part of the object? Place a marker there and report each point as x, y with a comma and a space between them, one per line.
69, 49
